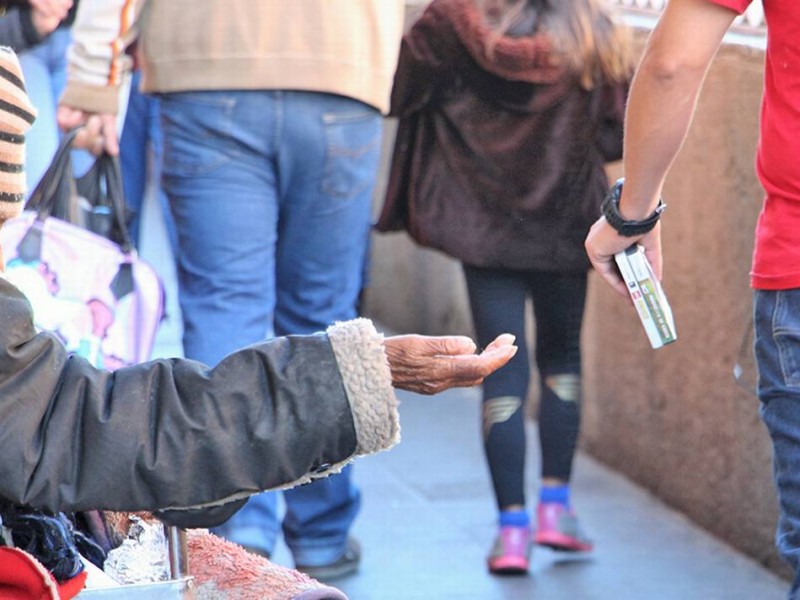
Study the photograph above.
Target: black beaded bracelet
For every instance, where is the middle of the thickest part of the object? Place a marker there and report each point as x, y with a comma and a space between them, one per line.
625, 228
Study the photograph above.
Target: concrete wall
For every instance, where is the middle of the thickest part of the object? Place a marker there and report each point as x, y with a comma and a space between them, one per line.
674, 420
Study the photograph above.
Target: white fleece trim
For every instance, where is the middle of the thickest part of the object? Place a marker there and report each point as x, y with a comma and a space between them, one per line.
362, 361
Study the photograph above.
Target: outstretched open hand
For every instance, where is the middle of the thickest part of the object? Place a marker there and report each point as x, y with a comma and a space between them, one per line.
428, 365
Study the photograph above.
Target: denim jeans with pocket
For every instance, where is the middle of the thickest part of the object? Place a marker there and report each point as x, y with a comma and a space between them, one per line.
271, 196
777, 347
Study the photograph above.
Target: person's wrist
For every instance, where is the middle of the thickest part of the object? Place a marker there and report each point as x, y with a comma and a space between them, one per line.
628, 227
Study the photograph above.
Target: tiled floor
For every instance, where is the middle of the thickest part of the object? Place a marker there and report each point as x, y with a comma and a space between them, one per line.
428, 516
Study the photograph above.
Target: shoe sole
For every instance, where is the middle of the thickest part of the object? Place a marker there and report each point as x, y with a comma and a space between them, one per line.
328, 573
561, 543
346, 565
508, 565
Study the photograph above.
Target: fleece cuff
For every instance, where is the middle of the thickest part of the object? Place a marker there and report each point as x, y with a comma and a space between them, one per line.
359, 352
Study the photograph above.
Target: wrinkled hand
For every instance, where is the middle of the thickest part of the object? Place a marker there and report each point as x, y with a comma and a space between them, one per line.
46, 15
99, 131
603, 242
428, 365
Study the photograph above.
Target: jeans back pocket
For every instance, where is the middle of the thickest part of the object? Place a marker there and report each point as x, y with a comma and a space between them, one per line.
352, 151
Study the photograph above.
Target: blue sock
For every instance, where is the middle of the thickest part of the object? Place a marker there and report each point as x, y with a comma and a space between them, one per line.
514, 518
559, 494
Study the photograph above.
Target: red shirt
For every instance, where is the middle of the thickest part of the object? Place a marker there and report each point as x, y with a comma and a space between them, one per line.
776, 258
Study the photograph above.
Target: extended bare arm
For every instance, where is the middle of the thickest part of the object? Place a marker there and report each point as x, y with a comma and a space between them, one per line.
662, 101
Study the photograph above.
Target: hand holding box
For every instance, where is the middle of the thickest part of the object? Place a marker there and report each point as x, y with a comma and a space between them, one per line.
648, 297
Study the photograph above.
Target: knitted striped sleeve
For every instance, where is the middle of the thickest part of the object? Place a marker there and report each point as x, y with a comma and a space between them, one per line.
16, 116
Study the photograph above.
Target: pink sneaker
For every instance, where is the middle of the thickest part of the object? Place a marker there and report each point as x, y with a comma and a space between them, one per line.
558, 528
511, 551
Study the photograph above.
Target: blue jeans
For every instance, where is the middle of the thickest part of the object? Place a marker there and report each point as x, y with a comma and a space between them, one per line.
140, 153
777, 347
271, 196
45, 70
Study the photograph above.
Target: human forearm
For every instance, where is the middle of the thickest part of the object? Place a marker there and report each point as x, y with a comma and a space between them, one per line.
165, 435
97, 60
174, 434
97, 66
169, 433
663, 97
660, 105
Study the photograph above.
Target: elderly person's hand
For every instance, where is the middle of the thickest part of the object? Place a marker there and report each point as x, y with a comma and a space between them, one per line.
428, 365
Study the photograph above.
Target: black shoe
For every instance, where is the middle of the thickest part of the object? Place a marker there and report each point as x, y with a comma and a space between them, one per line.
345, 565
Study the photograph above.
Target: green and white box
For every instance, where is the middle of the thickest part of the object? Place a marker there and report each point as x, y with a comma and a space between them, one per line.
648, 297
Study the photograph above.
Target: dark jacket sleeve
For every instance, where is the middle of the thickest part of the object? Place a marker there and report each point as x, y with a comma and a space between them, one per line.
174, 434
424, 59
612, 118
17, 30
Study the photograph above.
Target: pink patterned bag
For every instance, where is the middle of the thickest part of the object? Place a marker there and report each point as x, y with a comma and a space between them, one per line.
104, 302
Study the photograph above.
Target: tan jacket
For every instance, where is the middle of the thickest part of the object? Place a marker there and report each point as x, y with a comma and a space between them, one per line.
346, 47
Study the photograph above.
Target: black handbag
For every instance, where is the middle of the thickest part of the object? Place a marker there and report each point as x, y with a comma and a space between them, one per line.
94, 201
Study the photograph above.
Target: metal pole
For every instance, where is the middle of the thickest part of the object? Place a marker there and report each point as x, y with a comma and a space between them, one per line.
178, 550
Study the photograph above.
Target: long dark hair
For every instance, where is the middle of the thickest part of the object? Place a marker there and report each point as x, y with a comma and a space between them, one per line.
589, 41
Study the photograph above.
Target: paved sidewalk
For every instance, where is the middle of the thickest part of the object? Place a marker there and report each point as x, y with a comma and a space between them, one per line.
428, 521
428, 515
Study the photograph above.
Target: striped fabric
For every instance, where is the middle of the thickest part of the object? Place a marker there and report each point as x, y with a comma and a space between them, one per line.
16, 116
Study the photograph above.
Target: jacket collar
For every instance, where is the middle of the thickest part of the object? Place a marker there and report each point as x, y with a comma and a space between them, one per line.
529, 58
